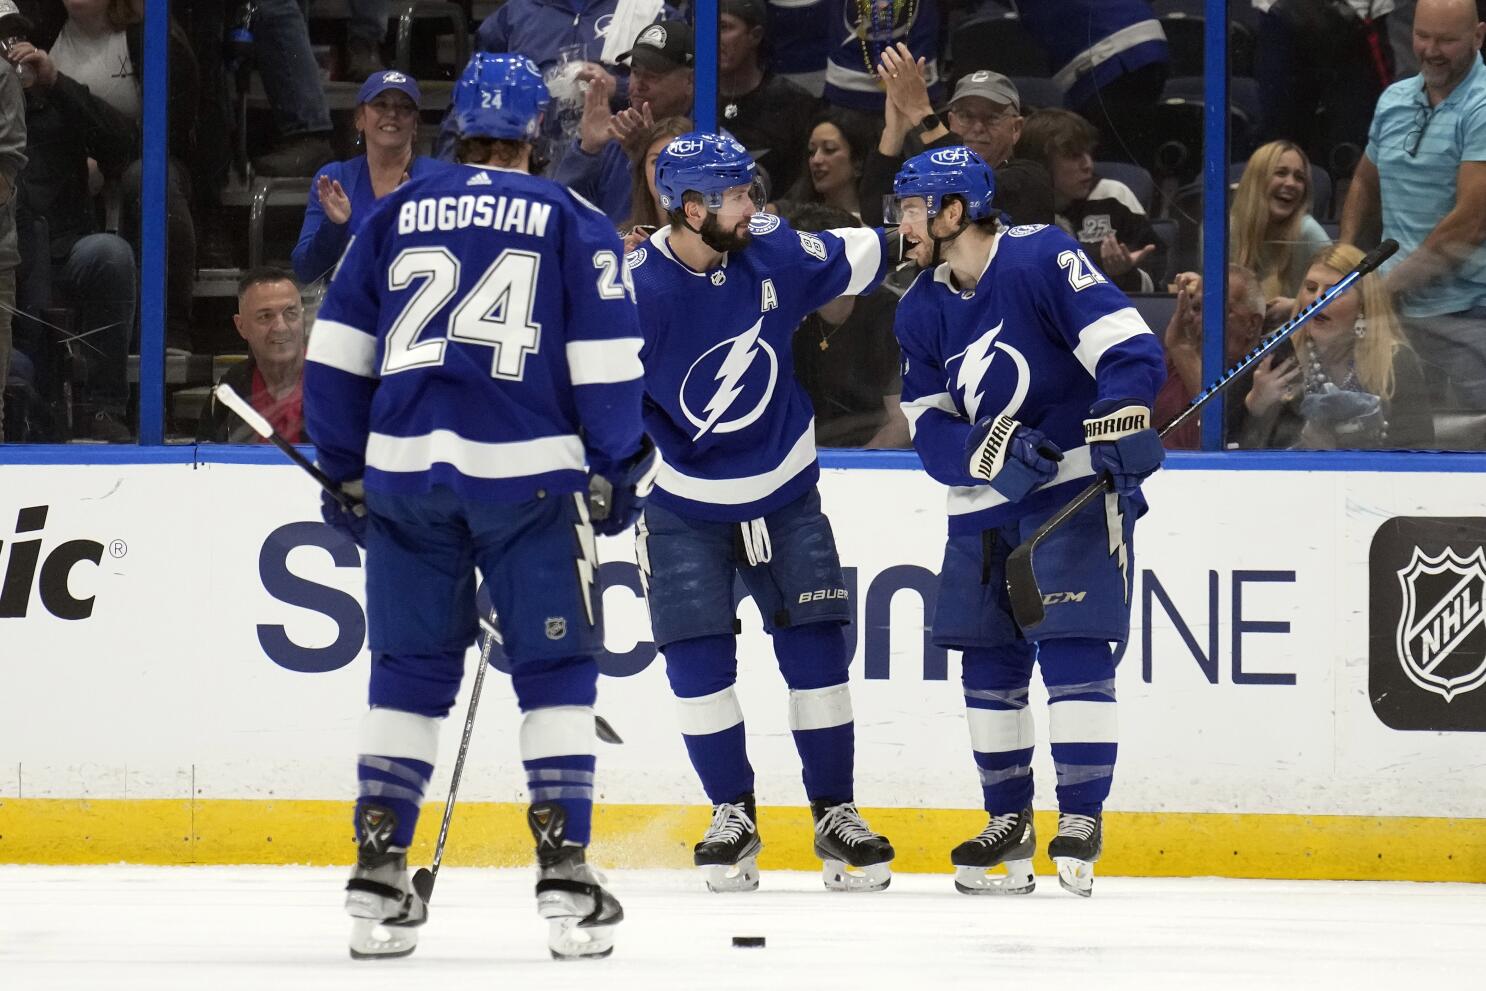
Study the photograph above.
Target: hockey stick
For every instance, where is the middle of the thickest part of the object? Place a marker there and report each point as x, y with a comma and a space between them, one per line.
229, 398
424, 877
1021, 578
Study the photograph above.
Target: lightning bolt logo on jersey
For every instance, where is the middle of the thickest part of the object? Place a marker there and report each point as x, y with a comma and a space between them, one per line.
734, 427
988, 351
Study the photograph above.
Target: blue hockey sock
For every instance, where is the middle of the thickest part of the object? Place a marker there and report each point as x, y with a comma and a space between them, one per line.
1001, 733
813, 660
393, 769
1079, 675
702, 671
557, 752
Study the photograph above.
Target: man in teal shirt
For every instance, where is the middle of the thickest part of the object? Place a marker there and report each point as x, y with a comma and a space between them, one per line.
1423, 182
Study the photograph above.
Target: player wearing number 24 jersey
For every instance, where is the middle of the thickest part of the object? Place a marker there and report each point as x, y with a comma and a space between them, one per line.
1025, 373
476, 359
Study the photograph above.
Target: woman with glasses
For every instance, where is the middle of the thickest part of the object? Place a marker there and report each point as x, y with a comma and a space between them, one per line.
1271, 229
344, 192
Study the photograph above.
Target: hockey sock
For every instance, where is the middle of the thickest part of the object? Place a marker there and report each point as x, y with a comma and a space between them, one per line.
398, 750
1001, 735
1079, 675
557, 752
702, 672
813, 660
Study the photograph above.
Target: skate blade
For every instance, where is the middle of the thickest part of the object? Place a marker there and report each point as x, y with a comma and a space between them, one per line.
567, 940
840, 876
729, 878
373, 940
1018, 879
1076, 876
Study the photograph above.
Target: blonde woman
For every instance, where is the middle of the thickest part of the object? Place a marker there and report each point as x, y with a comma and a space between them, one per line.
1350, 382
1271, 230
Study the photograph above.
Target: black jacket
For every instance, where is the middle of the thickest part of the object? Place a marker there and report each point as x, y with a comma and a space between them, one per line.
219, 425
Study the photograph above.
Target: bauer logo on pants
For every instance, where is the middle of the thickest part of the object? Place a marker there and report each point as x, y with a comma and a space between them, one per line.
1427, 608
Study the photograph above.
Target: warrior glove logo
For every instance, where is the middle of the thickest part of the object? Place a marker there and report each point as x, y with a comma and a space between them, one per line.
741, 365
1427, 623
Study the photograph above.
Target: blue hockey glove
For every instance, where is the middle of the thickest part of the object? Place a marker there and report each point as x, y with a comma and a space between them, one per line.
350, 523
1122, 443
616, 498
1014, 459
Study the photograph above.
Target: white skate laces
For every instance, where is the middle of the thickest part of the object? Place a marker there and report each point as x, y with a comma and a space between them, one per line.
999, 827
845, 822
1077, 826
729, 823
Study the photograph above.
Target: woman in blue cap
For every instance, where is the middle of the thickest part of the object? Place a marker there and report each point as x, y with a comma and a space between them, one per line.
344, 192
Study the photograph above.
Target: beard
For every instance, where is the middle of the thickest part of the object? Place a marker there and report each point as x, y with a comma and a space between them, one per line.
714, 237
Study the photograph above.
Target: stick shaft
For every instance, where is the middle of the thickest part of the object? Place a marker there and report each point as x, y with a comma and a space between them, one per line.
228, 397
464, 748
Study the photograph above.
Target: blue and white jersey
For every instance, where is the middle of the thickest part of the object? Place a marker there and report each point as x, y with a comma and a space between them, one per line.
1090, 42
733, 425
481, 334
1040, 338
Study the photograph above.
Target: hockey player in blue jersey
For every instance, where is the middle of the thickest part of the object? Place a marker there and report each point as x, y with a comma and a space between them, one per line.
720, 292
475, 363
1025, 374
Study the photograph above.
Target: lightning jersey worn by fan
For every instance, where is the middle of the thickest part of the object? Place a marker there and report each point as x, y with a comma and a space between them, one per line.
734, 427
479, 334
1040, 338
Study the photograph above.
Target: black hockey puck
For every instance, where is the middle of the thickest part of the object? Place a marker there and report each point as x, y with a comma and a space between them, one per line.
749, 941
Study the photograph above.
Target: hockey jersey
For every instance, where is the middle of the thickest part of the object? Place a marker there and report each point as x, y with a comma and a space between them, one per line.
858, 34
480, 333
733, 425
1041, 337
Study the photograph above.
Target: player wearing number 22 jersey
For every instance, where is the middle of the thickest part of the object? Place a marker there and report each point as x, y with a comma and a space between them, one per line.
1025, 374
475, 360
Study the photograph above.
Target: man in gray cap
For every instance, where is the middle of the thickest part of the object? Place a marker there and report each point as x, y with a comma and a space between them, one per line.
984, 114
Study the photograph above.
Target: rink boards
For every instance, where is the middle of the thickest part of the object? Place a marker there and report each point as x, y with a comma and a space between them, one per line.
1303, 695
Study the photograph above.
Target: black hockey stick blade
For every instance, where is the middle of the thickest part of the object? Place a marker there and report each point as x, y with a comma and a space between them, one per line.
605, 731
1021, 577
423, 884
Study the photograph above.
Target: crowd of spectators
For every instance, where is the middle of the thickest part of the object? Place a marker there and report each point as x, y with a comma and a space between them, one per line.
1384, 137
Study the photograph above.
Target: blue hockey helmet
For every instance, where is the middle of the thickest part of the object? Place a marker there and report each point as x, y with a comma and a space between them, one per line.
934, 175
699, 162
499, 96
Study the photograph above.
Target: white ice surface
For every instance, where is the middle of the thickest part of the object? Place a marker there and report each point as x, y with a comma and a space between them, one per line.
279, 929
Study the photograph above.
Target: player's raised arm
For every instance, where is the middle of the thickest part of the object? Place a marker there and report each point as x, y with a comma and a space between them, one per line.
848, 261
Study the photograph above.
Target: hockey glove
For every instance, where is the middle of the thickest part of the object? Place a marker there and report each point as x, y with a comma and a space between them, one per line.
615, 499
1122, 443
350, 523
1014, 459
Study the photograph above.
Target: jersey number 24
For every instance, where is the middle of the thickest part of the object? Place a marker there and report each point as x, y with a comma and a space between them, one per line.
496, 312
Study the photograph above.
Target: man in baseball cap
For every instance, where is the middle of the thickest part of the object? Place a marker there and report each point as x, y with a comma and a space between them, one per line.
661, 68
986, 111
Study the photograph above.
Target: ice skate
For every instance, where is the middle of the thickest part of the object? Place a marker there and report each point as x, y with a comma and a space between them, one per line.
854, 858
728, 851
581, 915
1075, 850
379, 896
1008, 840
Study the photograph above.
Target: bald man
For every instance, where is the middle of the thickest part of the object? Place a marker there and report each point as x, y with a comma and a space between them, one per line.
1422, 182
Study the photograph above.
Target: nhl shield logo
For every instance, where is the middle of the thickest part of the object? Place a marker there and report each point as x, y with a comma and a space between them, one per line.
1441, 635
557, 627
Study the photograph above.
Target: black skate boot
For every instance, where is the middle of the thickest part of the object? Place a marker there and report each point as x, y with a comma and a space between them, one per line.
1075, 849
379, 896
580, 914
1009, 839
728, 851
854, 857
